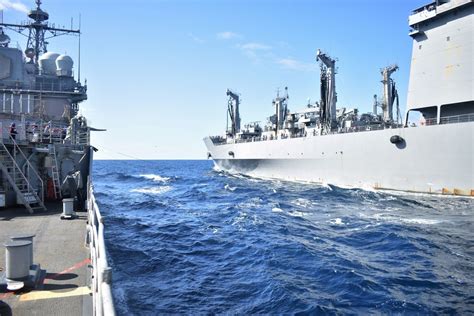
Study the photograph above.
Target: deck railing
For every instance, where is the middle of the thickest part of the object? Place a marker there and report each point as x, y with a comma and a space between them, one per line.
47, 86
219, 140
451, 119
103, 303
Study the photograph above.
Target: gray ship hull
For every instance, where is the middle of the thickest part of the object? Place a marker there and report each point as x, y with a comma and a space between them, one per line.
431, 159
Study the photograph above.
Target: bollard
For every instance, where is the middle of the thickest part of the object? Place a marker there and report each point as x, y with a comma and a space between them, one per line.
28, 237
17, 259
68, 208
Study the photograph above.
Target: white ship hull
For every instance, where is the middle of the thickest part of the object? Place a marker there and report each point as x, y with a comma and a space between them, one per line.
432, 159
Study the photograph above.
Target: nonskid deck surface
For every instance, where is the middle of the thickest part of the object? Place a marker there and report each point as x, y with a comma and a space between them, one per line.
60, 250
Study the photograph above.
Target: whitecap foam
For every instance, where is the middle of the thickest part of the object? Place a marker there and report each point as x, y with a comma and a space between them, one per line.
228, 187
421, 221
155, 177
296, 214
396, 219
336, 221
302, 202
277, 210
152, 190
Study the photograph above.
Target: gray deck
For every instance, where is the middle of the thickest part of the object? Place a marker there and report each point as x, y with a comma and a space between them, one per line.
59, 249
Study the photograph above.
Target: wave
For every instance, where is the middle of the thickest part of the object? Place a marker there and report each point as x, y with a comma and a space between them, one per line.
125, 177
152, 190
399, 219
228, 187
220, 243
155, 177
336, 221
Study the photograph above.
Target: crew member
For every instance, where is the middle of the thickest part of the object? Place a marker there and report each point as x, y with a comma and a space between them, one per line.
13, 131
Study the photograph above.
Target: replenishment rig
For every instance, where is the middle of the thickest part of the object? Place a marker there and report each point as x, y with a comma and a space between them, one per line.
340, 146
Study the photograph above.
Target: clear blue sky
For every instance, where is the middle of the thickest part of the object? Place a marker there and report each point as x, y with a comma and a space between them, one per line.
157, 71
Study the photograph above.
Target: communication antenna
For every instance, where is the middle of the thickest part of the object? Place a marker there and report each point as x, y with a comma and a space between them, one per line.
39, 31
79, 53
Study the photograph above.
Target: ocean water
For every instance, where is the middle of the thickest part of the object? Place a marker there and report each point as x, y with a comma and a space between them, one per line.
184, 238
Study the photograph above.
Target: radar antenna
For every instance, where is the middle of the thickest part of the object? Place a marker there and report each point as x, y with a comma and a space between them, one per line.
38, 29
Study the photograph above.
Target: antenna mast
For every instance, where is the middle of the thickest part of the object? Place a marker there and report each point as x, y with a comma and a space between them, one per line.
37, 30
79, 53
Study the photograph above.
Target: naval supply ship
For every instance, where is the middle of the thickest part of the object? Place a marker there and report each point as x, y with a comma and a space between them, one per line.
340, 146
46, 164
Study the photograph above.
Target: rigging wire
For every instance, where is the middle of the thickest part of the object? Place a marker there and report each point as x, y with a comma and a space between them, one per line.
122, 154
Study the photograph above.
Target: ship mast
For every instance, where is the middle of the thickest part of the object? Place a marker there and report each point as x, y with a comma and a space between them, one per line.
37, 31
281, 110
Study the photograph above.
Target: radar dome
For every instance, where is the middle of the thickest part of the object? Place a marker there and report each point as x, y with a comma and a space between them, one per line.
64, 65
47, 63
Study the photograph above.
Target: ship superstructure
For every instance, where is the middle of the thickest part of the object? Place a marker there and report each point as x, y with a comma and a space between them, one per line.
381, 149
46, 157
45, 149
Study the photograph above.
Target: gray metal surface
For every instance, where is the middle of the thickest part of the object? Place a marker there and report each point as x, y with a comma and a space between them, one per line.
17, 259
29, 237
59, 248
433, 159
103, 302
442, 65
43, 141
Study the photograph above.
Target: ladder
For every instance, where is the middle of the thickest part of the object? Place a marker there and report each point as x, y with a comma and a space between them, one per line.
55, 173
19, 182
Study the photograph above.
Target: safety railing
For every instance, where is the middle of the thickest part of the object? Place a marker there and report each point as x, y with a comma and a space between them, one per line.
30, 168
57, 85
463, 118
219, 140
36, 132
101, 287
457, 119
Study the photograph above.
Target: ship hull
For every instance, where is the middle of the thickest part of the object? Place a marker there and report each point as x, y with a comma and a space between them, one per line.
430, 159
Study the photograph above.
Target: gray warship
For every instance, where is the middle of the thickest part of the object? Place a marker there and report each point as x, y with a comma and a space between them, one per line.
46, 162
340, 146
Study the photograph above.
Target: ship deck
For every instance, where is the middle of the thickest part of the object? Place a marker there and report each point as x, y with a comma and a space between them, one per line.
60, 250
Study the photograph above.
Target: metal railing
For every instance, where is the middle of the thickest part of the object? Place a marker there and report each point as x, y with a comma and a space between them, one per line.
219, 140
54, 85
101, 287
451, 119
30, 168
37, 132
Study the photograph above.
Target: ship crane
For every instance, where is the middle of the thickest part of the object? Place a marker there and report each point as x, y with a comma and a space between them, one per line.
328, 90
233, 111
389, 93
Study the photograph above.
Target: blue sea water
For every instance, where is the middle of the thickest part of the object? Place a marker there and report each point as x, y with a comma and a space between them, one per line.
184, 238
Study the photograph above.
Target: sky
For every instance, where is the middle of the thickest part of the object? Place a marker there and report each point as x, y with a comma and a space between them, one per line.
157, 70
